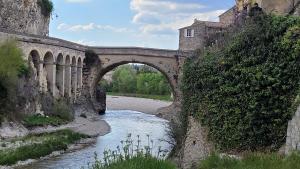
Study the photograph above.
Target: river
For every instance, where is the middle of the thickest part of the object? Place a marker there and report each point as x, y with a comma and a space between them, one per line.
122, 122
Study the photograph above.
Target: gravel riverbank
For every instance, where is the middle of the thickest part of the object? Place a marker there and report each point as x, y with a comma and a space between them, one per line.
148, 106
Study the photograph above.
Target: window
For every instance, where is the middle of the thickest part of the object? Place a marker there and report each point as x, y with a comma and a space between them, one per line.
189, 33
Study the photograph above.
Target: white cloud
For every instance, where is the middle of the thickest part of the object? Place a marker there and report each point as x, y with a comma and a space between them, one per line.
87, 42
77, 1
90, 27
167, 16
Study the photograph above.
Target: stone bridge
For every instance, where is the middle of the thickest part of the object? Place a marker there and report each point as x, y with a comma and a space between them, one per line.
60, 68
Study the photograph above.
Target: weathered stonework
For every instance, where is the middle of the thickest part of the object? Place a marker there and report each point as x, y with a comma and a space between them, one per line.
281, 7
293, 134
202, 32
196, 146
23, 16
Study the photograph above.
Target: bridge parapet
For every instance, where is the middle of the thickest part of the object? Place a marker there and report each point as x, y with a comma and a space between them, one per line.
138, 51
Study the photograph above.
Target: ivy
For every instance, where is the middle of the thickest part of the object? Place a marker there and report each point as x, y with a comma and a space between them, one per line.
46, 7
246, 93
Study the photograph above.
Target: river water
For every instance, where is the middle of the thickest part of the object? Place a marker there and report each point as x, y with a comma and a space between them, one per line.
122, 123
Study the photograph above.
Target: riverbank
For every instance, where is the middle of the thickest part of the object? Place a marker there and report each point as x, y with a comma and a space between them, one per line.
146, 96
90, 125
148, 106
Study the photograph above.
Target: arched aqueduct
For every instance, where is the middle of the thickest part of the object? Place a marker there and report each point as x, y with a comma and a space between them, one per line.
60, 69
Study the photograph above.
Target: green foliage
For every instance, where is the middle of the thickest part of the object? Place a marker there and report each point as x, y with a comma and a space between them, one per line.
245, 93
91, 58
12, 66
124, 79
139, 81
46, 7
11, 61
63, 110
132, 156
106, 86
252, 161
140, 162
38, 120
39, 145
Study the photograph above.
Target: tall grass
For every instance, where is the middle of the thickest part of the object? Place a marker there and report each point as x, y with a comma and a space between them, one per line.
139, 162
37, 120
134, 156
252, 161
39, 145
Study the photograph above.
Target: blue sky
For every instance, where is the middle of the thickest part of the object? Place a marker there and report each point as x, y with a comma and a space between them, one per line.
144, 23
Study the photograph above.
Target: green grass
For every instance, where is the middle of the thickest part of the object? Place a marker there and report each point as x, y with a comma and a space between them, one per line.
139, 163
155, 97
253, 161
39, 145
35, 121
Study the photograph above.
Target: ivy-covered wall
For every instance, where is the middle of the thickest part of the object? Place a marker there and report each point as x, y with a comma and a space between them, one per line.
246, 92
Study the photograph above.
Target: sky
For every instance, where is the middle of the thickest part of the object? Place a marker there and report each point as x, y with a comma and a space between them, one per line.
141, 23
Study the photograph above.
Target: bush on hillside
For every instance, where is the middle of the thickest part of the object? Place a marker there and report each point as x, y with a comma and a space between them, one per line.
252, 161
46, 7
245, 94
63, 110
12, 66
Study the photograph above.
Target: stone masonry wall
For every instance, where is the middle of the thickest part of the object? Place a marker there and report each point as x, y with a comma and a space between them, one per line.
196, 147
23, 16
293, 134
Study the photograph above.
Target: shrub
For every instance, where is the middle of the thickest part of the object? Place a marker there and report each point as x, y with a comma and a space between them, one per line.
245, 93
50, 142
132, 156
12, 66
38, 120
252, 161
63, 110
46, 7
140, 162
91, 58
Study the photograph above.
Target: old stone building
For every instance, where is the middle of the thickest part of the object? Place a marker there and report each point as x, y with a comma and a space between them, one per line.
199, 34
204, 33
23, 16
281, 7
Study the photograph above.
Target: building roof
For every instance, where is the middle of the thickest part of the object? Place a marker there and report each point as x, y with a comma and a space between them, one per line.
207, 24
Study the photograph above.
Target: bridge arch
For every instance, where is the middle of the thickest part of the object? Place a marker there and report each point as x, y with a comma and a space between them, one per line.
48, 70
73, 77
79, 74
115, 65
60, 71
34, 63
68, 76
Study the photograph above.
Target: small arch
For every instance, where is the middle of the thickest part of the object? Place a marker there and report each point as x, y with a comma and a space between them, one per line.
68, 76
48, 69
60, 74
74, 77
79, 74
34, 62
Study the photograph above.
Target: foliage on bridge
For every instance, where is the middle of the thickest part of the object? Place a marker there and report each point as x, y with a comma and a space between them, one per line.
246, 92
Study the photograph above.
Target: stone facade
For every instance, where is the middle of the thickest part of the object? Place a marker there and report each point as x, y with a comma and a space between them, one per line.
281, 7
23, 16
293, 134
200, 33
168, 62
196, 146
228, 17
